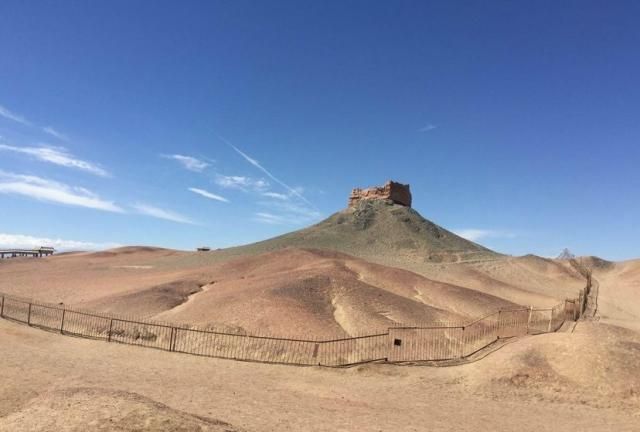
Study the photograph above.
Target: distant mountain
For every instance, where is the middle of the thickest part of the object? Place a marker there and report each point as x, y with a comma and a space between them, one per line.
566, 254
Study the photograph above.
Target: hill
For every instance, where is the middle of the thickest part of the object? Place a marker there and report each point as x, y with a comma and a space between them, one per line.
382, 231
618, 291
292, 291
307, 292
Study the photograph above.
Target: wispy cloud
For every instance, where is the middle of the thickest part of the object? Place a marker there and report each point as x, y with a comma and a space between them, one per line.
284, 206
19, 241
241, 182
428, 127
270, 218
58, 156
287, 212
51, 191
208, 194
188, 162
4, 112
475, 234
257, 164
159, 213
276, 195
54, 133
285, 218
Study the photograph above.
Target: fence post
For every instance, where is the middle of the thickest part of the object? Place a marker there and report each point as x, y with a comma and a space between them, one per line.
175, 337
29, 315
62, 321
529, 319
110, 328
579, 306
462, 341
2, 308
173, 332
550, 319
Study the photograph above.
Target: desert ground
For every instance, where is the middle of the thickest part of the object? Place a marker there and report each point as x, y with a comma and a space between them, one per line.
289, 292
585, 380
356, 272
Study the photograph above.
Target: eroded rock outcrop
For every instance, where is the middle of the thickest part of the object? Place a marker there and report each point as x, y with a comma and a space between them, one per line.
397, 192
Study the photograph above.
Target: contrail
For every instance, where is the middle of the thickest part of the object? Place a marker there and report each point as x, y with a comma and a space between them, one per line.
256, 164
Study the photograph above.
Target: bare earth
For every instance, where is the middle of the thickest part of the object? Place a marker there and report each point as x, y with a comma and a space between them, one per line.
387, 265
288, 292
581, 381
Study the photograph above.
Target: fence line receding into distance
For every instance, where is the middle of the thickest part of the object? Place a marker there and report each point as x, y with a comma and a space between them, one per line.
397, 344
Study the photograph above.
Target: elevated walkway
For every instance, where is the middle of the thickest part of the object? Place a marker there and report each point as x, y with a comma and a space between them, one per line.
36, 253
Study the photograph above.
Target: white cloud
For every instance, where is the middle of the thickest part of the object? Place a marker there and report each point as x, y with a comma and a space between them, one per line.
279, 219
51, 131
208, 194
300, 211
269, 218
19, 241
241, 182
58, 156
276, 195
159, 213
52, 191
188, 162
257, 164
475, 234
428, 127
286, 212
4, 112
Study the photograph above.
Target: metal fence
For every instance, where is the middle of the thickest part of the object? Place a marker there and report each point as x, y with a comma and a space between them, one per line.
398, 344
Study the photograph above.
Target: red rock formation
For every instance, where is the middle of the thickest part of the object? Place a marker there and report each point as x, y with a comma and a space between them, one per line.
396, 192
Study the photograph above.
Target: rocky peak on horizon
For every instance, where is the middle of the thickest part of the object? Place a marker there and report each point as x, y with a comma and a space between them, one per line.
565, 254
397, 192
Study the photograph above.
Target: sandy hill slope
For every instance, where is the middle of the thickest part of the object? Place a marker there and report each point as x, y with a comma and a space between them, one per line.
596, 364
77, 278
292, 291
82, 277
527, 280
619, 291
103, 409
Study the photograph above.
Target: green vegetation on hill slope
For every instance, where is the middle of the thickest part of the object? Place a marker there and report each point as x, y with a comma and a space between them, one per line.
382, 231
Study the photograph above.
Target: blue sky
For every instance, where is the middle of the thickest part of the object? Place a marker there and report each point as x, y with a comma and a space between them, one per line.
217, 123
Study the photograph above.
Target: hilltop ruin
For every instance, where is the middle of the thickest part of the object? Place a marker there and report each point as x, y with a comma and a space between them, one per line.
397, 192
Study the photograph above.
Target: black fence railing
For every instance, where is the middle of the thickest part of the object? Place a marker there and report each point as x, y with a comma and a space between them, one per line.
397, 344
